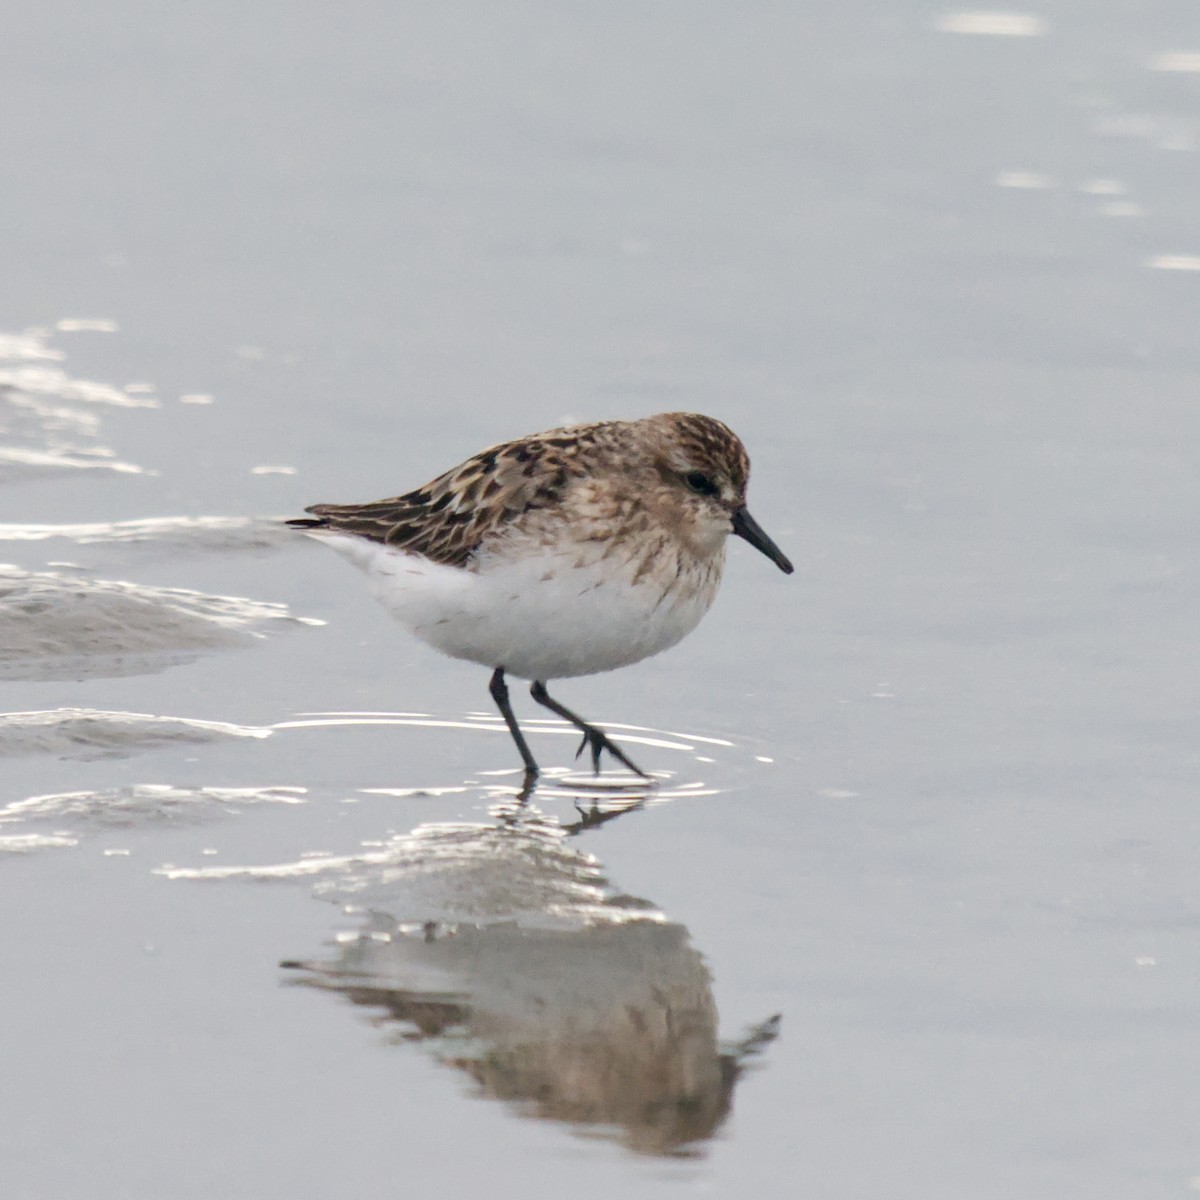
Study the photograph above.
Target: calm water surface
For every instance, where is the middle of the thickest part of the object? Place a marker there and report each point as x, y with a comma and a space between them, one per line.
913, 911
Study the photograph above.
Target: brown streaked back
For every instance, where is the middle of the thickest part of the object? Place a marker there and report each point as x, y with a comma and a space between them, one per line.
447, 519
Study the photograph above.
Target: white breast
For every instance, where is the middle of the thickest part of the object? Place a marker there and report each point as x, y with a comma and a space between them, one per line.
542, 616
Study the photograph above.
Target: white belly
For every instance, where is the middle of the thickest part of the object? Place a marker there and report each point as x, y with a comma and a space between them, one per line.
538, 617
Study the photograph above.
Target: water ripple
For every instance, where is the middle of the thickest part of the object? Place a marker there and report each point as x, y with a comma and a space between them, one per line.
88, 733
220, 534
136, 806
57, 626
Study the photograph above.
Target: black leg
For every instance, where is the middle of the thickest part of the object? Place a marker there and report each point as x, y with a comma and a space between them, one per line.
499, 690
593, 737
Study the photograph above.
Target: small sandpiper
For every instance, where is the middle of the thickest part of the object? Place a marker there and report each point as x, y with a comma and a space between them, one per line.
569, 552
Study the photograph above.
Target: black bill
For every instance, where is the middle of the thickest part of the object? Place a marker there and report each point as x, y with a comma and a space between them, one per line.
745, 526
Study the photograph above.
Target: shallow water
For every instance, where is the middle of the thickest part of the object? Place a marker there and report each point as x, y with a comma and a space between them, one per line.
912, 908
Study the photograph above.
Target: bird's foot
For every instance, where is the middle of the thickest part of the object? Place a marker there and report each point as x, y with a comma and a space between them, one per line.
528, 785
597, 740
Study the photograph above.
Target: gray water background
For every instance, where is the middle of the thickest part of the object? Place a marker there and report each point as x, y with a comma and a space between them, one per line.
943, 283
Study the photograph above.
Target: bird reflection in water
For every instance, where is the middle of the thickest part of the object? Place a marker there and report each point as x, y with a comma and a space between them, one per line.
507, 949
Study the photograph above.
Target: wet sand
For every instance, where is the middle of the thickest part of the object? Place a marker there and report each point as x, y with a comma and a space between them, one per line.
911, 907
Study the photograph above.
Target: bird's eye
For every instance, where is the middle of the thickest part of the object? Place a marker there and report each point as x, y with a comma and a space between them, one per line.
699, 482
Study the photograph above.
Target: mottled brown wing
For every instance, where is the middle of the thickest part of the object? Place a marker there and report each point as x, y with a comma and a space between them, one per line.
447, 519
